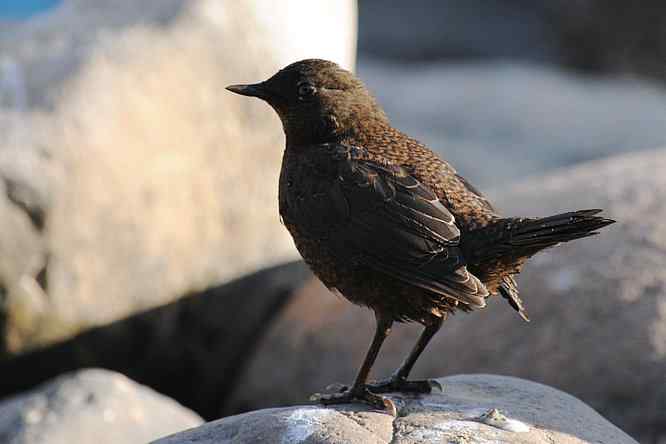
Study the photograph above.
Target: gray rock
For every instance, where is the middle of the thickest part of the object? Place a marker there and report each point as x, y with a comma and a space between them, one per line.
449, 29
91, 406
609, 292
598, 327
141, 178
472, 409
601, 36
499, 122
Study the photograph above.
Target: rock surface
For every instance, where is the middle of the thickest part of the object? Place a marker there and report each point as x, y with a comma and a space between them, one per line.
602, 36
449, 29
130, 176
597, 308
93, 406
193, 350
500, 122
472, 409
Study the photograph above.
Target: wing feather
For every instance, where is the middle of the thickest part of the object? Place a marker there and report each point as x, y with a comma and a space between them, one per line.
398, 226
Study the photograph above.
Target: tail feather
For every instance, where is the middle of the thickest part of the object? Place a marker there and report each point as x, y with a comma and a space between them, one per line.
499, 250
514, 238
509, 291
537, 234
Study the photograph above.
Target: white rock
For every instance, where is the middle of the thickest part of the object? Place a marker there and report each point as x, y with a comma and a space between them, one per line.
531, 413
91, 406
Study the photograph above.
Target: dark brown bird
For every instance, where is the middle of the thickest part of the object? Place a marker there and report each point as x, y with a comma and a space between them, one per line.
385, 222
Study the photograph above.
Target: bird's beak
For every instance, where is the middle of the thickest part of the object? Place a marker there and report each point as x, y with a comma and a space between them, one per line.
254, 90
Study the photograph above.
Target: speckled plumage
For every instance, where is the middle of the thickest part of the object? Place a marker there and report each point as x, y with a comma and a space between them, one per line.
382, 220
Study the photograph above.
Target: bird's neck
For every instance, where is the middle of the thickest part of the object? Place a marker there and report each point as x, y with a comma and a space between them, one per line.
363, 132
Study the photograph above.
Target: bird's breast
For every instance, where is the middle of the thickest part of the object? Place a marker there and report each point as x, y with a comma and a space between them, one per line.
304, 198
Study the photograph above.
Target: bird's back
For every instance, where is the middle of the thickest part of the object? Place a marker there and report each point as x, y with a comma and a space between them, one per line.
387, 144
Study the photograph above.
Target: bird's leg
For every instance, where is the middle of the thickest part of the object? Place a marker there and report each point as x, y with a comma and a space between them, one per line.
359, 391
398, 381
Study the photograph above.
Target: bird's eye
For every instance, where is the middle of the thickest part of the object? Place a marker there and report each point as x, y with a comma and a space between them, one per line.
306, 90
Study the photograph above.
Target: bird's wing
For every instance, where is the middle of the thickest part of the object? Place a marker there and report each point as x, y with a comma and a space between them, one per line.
397, 225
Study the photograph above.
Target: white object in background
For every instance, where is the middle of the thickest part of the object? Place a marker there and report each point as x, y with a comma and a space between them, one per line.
301, 29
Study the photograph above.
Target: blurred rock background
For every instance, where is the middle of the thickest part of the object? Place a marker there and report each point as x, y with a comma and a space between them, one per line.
129, 177
138, 209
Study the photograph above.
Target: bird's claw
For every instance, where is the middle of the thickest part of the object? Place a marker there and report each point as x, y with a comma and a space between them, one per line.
395, 384
357, 395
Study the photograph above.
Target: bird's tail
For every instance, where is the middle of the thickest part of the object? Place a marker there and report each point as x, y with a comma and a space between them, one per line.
516, 238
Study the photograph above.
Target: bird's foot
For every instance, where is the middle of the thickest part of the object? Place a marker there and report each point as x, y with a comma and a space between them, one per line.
356, 394
402, 385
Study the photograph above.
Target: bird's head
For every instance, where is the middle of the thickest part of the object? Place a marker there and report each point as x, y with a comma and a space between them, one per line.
317, 102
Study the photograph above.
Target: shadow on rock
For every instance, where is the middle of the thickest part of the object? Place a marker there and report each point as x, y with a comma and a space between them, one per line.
191, 350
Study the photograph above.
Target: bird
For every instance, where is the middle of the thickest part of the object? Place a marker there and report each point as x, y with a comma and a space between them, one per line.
385, 222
